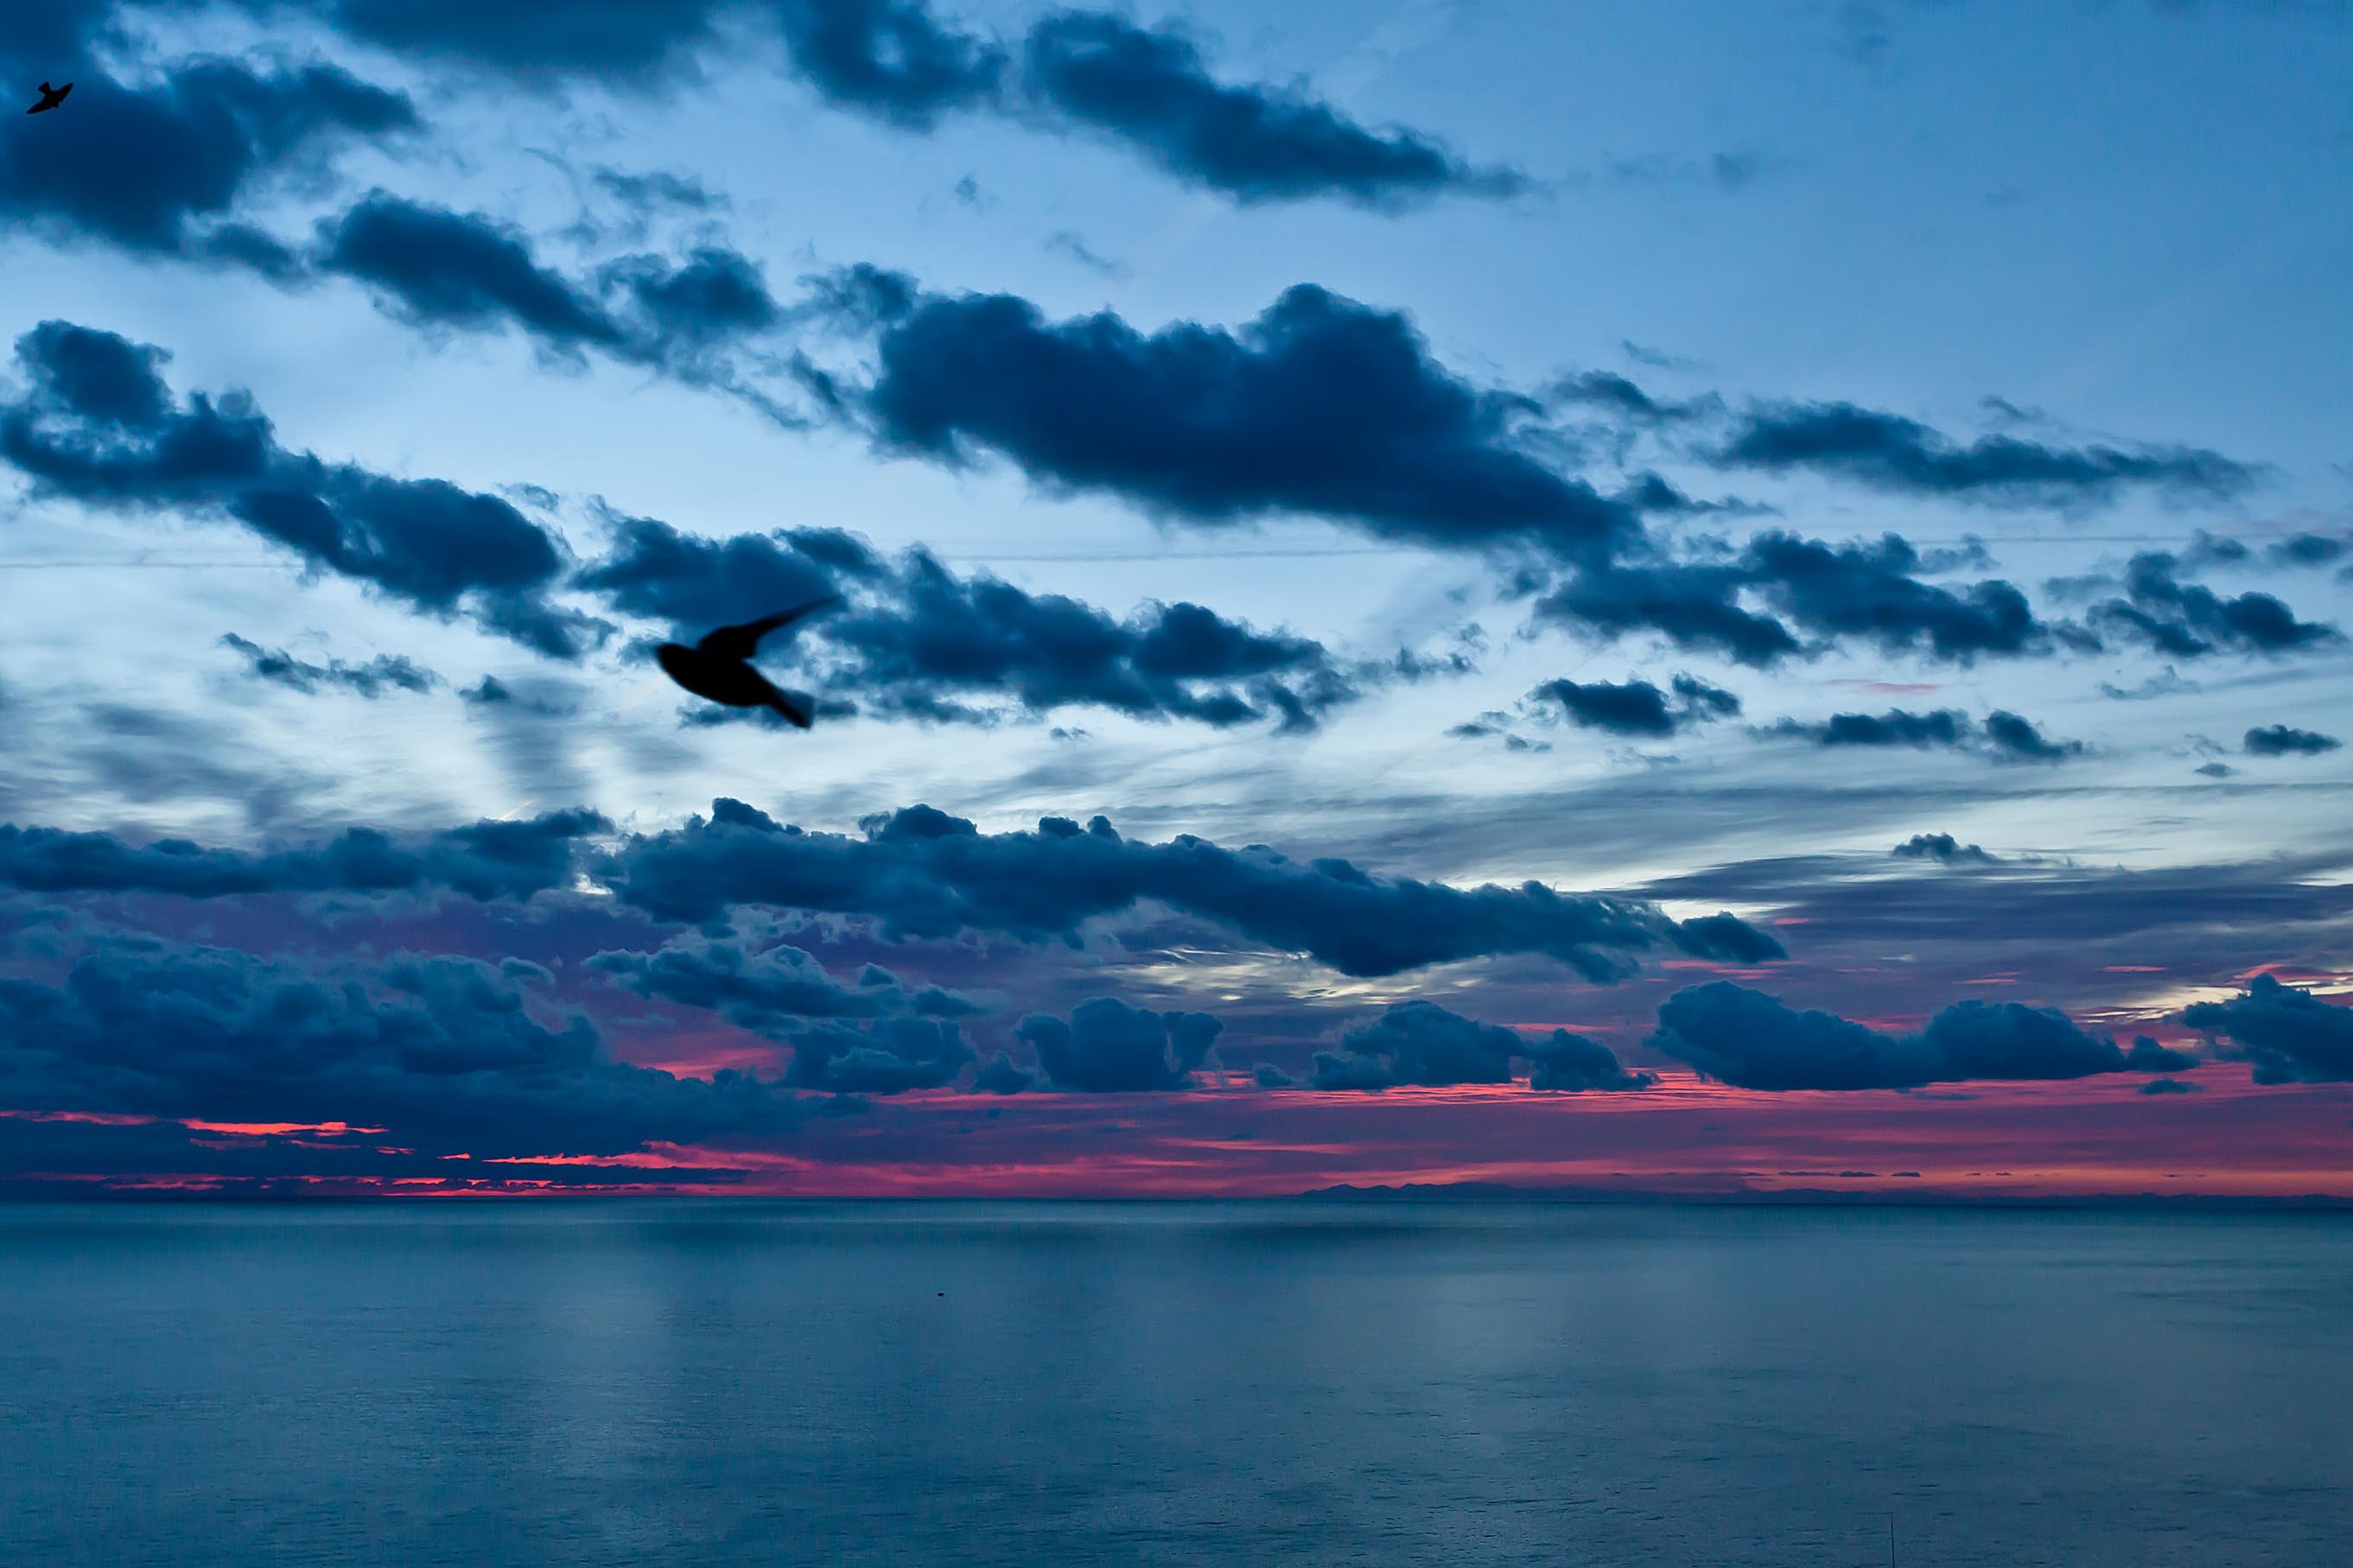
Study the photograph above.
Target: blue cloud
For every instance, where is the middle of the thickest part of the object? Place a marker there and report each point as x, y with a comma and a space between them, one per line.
1151, 88
1751, 1040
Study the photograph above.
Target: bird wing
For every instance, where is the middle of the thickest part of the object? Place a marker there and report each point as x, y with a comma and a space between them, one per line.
744, 641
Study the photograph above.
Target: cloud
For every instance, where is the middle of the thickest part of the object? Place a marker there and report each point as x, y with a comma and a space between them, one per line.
1151, 88
694, 319
1319, 407
2003, 735
437, 268
872, 1034
1636, 706
1109, 1047
1899, 456
916, 640
924, 873
1615, 394
1751, 1040
1865, 592
2285, 741
486, 861
2167, 1086
2287, 1032
1944, 849
998, 1075
442, 1053
1419, 1042
2183, 620
885, 1055
775, 992
371, 679
158, 169
890, 59
98, 425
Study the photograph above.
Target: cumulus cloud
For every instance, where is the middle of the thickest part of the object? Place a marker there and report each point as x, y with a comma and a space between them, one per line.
98, 425
1152, 89
443, 1053
1419, 1042
2188, 620
1944, 849
1109, 1047
2287, 741
1759, 606
161, 168
1903, 456
917, 640
1637, 708
924, 873
2287, 1032
872, 1035
488, 861
1751, 1040
1319, 407
1147, 88
2003, 735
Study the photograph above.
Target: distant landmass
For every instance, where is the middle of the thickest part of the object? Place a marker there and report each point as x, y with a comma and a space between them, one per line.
1501, 1192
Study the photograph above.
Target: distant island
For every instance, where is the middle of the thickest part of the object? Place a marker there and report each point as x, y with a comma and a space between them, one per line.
1812, 1197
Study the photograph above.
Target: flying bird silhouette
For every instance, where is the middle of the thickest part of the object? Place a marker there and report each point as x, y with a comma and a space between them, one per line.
719, 665
51, 98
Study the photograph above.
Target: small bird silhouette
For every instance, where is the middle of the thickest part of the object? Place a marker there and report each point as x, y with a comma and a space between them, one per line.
51, 98
720, 667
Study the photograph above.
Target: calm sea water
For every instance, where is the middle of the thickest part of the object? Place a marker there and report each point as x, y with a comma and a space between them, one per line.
1144, 1383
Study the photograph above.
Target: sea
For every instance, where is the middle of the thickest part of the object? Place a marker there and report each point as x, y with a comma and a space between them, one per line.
688, 1382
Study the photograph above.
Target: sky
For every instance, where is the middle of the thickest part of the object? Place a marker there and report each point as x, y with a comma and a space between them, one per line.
1714, 599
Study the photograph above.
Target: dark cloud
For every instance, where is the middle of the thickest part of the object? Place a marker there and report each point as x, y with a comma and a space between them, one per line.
2186, 620
1636, 707
2286, 1031
925, 874
384, 672
158, 168
1615, 394
2003, 735
1943, 848
1751, 1040
2012, 736
2287, 740
1752, 607
1152, 88
2167, 1086
98, 425
1888, 452
620, 43
916, 640
1422, 1042
900, 62
885, 1055
437, 267
775, 992
1109, 1047
693, 318
892, 59
2148, 1055
997, 1075
659, 190
443, 1053
1321, 406
487, 860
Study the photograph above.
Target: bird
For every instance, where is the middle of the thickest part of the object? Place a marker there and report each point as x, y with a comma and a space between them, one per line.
51, 98
719, 665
